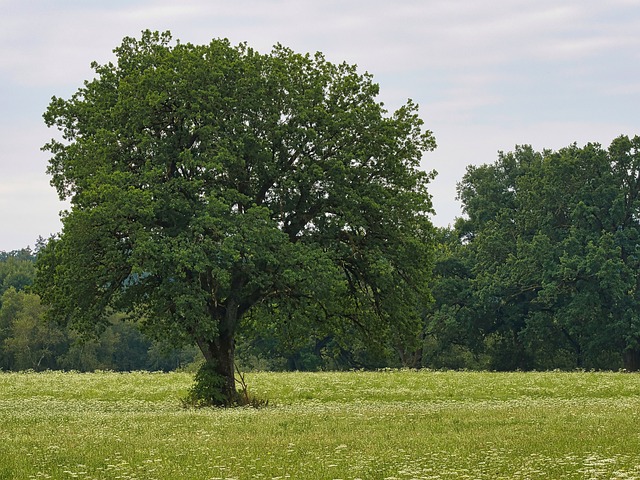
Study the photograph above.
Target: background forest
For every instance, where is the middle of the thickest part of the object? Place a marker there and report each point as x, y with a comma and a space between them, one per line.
542, 272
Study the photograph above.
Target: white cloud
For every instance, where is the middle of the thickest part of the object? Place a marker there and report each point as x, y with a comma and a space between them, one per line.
29, 208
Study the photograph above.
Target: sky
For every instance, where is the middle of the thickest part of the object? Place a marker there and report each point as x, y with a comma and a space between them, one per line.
488, 75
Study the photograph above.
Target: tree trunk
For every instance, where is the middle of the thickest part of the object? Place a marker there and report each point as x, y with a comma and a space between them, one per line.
222, 361
219, 355
631, 360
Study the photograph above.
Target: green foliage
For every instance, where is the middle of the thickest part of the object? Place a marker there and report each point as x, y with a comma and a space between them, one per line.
226, 198
207, 389
552, 243
30, 341
212, 183
121, 346
452, 332
26, 341
17, 269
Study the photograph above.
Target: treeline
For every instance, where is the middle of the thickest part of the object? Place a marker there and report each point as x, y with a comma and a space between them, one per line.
29, 341
542, 272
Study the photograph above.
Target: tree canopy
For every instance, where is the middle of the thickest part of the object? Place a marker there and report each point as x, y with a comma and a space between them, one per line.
553, 249
210, 184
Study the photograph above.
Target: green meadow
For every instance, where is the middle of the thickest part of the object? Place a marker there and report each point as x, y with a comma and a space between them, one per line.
366, 425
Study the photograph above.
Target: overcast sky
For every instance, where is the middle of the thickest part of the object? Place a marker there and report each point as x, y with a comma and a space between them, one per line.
488, 75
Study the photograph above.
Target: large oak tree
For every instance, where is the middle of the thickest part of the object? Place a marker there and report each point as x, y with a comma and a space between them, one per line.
209, 182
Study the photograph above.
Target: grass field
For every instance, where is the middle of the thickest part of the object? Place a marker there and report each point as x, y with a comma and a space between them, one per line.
367, 425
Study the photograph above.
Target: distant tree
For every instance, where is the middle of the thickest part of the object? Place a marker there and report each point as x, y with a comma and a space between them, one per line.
210, 181
120, 346
453, 330
17, 269
555, 245
27, 340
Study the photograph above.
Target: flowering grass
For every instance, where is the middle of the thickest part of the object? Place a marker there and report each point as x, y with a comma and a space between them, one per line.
367, 425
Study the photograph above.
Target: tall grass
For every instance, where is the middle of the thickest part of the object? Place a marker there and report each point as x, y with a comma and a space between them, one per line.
367, 425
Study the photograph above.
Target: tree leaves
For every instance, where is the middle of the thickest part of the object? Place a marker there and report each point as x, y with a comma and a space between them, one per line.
553, 237
208, 181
